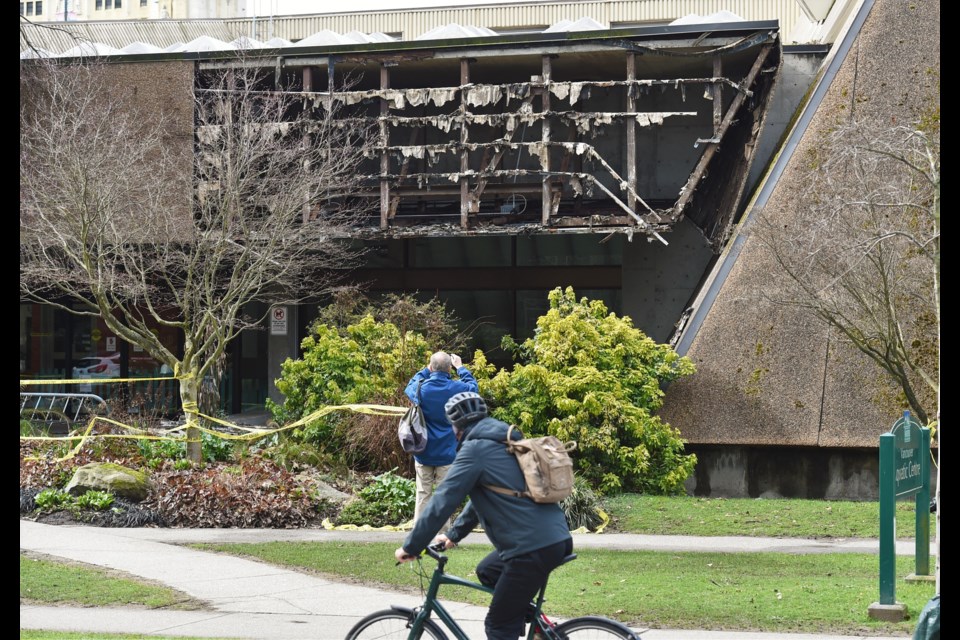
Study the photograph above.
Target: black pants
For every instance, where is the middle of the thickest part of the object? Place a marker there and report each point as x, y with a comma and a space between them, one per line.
515, 582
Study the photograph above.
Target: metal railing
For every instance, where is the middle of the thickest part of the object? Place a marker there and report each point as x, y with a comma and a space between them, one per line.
58, 406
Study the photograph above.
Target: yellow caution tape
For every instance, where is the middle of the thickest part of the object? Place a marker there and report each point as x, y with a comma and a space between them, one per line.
193, 415
329, 526
29, 383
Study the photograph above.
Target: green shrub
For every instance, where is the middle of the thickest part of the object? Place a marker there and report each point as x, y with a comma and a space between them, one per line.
182, 464
52, 500
215, 448
28, 428
590, 376
582, 507
156, 452
162, 449
99, 500
292, 454
359, 353
389, 499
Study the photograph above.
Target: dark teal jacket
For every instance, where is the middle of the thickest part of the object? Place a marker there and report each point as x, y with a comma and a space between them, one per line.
514, 525
438, 387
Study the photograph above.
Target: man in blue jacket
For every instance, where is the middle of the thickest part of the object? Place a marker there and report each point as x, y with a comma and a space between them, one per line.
437, 387
530, 539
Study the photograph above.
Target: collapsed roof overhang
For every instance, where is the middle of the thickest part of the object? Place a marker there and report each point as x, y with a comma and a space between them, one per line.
623, 130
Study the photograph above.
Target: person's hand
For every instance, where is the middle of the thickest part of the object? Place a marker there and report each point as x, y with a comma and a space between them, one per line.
402, 556
456, 361
447, 542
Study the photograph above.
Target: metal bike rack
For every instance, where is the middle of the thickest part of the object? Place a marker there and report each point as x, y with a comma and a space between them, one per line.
55, 406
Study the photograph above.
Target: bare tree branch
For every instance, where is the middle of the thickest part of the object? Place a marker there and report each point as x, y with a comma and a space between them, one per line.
143, 221
863, 253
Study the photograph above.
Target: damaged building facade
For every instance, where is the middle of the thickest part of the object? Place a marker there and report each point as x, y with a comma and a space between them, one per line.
503, 166
617, 161
510, 166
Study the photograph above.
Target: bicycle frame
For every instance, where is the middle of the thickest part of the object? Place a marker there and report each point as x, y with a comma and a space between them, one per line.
431, 605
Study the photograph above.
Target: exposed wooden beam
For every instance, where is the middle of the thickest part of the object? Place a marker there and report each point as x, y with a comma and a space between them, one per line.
464, 139
631, 132
686, 193
384, 154
547, 198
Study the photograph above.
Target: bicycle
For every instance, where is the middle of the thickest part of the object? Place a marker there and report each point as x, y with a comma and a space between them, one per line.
404, 623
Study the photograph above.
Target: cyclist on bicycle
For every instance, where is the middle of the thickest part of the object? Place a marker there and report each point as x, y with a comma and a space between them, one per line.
530, 539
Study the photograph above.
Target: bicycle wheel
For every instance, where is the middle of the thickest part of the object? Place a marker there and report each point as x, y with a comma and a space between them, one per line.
391, 624
595, 628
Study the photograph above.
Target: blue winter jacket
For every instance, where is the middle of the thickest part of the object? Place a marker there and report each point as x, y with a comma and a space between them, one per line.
438, 387
514, 525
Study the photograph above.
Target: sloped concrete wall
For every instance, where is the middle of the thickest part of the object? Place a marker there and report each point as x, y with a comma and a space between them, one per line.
770, 375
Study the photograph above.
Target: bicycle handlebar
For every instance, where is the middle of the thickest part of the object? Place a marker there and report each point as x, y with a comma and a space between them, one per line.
435, 552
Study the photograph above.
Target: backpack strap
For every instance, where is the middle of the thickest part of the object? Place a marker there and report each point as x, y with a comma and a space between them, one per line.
502, 490
506, 492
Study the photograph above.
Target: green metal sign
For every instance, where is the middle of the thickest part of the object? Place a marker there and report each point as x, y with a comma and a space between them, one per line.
904, 471
908, 465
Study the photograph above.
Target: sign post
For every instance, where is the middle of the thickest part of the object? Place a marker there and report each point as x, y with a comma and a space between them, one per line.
904, 471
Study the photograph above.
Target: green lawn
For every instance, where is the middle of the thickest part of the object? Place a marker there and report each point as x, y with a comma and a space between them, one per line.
788, 518
825, 593
53, 581
774, 592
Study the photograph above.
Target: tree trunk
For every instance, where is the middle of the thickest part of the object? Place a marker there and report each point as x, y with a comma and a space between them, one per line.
189, 394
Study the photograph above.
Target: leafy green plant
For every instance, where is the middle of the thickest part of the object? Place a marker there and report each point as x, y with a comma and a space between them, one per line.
590, 376
582, 507
99, 500
389, 499
291, 453
52, 499
182, 464
162, 449
215, 448
28, 428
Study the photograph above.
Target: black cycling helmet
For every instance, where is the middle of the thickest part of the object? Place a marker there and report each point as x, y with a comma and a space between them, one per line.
464, 408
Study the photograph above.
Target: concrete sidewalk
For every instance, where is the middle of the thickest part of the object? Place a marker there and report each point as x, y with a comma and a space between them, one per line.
250, 599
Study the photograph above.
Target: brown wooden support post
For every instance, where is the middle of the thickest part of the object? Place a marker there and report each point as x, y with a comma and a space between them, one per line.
545, 139
464, 139
384, 152
631, 130
717, 95
307, 87
308, 78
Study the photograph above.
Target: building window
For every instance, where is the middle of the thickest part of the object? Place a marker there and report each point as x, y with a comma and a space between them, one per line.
99, 5
29, 8
108, 4
116, 4
38, 7
143, 3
